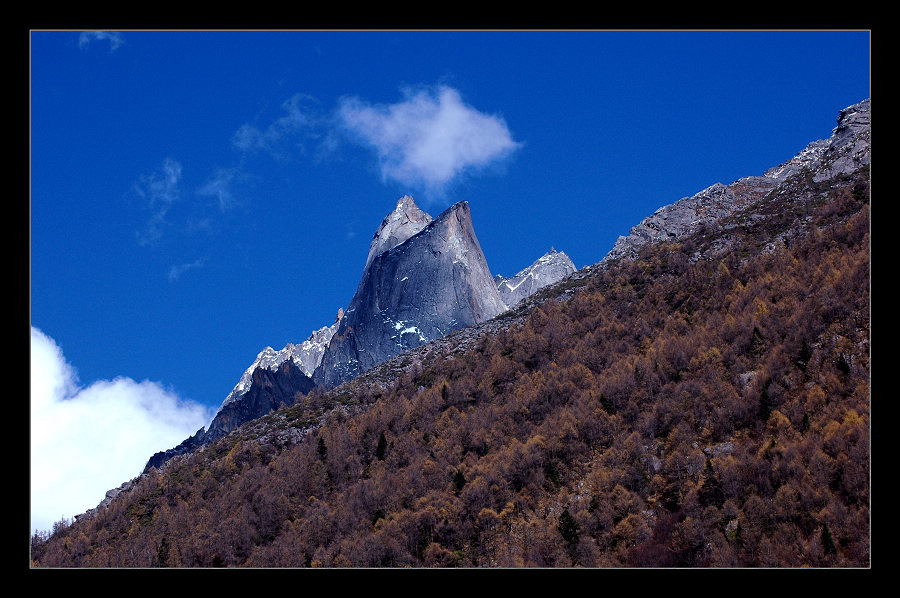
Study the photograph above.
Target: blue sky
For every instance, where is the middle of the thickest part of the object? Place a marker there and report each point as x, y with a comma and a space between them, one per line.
198, 196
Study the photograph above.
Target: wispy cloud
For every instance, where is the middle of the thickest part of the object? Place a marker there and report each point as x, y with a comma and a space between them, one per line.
429, 138
160, 190
177, 270
219, 187
113, 37
87, 440
299, 116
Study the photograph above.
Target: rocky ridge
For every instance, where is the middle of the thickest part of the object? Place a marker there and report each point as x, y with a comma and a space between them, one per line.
307, 356
548, 269
844, 152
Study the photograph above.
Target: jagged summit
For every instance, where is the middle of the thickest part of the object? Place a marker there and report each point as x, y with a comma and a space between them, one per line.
269, 388
306, 356
412, 291
274, 378
551, 267
405, 221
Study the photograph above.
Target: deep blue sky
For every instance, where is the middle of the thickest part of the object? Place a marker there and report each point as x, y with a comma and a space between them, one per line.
261, 231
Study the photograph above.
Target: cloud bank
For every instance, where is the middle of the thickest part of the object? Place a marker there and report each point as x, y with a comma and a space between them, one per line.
429, 138
87, 440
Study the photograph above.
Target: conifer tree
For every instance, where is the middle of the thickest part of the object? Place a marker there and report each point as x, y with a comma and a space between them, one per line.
569, 529
381, 448
322, 450
828, 541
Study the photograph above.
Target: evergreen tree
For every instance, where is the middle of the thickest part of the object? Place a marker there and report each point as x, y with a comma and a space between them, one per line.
765, 404
322, 450
459, 480
569, 529
710, 492
381, 448
828, 541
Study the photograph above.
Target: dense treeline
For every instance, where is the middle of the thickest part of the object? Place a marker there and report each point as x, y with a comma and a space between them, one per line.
673, 412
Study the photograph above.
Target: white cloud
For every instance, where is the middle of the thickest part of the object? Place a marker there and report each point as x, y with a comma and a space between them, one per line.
160, 190
87, 440
113, 37
425, 141
177, 270
429, 138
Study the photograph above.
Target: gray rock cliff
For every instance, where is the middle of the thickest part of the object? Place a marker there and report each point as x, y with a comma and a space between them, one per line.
845, 151
413, 290
551, 267
306, 356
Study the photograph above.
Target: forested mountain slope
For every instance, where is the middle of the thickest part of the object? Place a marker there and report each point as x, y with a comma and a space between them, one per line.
704, 404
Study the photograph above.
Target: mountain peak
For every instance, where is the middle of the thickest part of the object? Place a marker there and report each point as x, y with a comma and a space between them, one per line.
547, 269
406, 203
847, 150
405, 221
424, 278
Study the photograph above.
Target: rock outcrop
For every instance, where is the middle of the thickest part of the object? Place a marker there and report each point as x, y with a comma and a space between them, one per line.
306, 356
110, 496
269, 389
418, 285
843, 153
551, 267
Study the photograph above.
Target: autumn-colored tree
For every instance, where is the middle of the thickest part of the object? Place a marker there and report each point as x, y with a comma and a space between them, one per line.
705, 405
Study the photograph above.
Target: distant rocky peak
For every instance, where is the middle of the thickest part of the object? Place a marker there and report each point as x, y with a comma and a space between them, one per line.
551, 267
306, 356
405, 221
419, 285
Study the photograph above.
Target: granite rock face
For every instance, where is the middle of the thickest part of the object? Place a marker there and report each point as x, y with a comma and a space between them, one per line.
274, 377
269, 389
844, 152
398, 226
413, 290
306, 356
551, 267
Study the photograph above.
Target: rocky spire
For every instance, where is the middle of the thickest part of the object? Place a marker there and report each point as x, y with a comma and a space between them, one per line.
412, 291
405, 221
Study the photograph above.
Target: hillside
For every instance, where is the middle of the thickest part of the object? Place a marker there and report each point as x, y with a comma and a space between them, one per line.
698, 402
